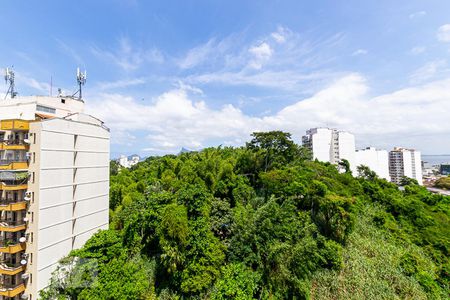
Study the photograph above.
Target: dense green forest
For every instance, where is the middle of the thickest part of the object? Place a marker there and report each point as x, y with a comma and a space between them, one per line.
261, 222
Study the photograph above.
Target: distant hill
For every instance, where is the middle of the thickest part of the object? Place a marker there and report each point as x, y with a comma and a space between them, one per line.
131, 156
184, 150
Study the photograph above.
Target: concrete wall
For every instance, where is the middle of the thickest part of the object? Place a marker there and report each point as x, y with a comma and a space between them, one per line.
346, 147
418, 166
322, 144
376, 160
25, 108
72, 191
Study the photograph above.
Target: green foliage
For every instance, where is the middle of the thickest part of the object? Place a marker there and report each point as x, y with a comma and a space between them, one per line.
236, 282
261, 222
345, 165
408, 181
366, 173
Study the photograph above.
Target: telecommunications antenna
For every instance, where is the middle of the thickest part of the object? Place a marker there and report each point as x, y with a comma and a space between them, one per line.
10, 79
81, 80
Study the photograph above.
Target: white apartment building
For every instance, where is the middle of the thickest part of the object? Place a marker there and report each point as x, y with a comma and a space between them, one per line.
405, 162
54, 187
377, 160
330, 145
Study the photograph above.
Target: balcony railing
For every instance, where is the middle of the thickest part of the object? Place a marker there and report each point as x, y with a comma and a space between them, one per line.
10, 161
6, 205
13, 141
9, 223
11, 246
10, 290
13, 164
9, 201
21, 125
12, 226
10, 265
11, 178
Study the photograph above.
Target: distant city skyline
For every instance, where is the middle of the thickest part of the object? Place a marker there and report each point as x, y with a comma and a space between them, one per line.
196, 74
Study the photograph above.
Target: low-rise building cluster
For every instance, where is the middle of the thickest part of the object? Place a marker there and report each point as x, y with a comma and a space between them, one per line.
332, 145
128, 161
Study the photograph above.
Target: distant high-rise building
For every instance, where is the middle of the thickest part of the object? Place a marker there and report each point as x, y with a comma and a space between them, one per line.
330, 145
444, 169
377, 160
405, 162
54, 187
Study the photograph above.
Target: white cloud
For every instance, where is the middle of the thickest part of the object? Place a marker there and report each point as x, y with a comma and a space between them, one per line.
206, 53
42, 87
284, 80
418, 50
197, 55
429, 71
261, 54
281, 60
360, 52
281, 34
173, 119
404, 117
128, 57
121, 83
418, 14
70, 51
443, 34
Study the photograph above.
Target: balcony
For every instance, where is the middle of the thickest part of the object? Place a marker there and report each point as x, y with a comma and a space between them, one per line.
11, 290
17, 125
13, 164
9, 268
12, 226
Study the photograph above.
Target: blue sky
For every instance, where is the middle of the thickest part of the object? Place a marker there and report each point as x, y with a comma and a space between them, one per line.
168, 74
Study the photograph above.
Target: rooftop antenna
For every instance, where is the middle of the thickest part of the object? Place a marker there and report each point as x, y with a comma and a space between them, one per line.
81, 79
9, 79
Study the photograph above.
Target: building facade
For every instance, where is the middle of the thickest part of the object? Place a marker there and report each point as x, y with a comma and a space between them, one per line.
405, 162
330, 145
54, 188
377, 160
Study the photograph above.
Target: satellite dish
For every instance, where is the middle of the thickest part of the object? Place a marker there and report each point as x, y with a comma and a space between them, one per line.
23, 239
23, 262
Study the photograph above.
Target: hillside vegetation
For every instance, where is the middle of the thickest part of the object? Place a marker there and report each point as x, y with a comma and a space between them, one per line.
443, 183
261, 222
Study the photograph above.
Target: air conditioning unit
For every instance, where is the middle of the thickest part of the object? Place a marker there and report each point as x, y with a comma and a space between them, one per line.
24, 296
28, 155
25, 276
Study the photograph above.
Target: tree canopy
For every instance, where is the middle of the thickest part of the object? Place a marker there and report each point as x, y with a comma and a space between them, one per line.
261, 222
